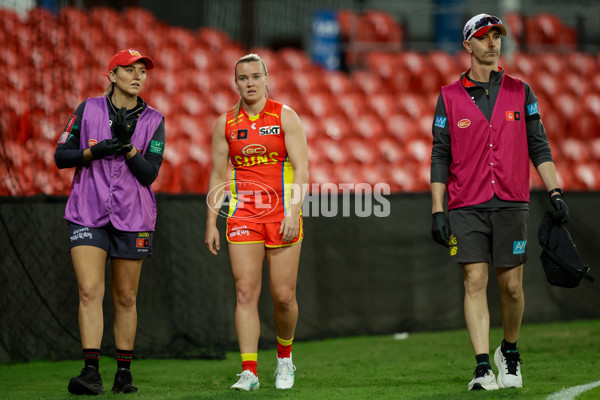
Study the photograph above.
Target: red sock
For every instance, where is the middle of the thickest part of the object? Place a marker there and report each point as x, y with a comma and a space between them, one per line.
283, 351
250, 366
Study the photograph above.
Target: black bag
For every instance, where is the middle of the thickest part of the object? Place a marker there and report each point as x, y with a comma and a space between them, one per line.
561, 260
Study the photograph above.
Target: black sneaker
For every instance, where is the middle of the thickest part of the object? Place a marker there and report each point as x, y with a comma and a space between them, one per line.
88, 382
123, 382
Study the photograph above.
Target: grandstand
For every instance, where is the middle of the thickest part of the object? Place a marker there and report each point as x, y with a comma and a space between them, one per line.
382, 106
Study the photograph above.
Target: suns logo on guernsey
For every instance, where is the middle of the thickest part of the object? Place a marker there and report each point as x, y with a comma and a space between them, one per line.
92, 142
464, 123
254, 150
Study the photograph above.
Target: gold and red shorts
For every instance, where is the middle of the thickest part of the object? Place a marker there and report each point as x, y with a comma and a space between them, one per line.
241, 231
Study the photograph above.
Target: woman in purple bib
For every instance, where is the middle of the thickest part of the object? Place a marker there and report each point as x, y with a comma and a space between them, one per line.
116, 142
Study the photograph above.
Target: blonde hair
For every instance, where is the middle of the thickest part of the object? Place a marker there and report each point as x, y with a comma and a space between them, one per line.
111, 85
248, 58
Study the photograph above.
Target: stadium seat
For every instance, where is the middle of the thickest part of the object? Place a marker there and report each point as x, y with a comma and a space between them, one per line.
321, 104
589, 175
368, 82
333, 151
213, 38
419, 150
306, 82
337, 127
313, 127
368, 126
401, 126
361, 151
575, 150
295, 59
337, 82
412, 104
515, 26
353, 105
386, 28
322, 174
390, 151
383, 104
382, 63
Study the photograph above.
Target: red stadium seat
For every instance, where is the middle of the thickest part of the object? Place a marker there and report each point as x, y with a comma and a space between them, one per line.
382, 63
369, 126
575, 150
368, 82
214, 39
419, 150
321, 174
412, 104
515, 26
337, 127
589, 175
383, 104
307, 81
361, 151
321, 104
401, 126
353, 105
295, 59
390, 151
333, 151
336, 82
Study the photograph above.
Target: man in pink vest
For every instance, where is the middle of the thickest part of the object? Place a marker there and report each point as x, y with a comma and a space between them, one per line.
486, 128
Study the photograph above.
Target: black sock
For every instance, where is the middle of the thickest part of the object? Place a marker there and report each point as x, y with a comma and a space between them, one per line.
91, 357
507, 346
483, 359
124, 358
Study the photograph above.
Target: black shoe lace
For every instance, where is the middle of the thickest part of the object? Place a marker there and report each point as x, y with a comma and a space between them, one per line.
482, 370
512, 362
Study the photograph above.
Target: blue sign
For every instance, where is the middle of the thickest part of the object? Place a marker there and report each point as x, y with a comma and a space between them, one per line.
326, 46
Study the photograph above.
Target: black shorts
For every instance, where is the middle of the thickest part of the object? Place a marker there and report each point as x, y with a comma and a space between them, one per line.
495, 237
118, 244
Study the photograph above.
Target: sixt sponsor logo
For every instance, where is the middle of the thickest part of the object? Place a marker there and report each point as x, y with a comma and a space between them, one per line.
269, 130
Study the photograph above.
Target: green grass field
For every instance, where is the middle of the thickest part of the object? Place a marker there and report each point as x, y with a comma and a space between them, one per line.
434, 365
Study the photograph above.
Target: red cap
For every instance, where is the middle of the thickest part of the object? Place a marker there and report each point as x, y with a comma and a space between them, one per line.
128, 57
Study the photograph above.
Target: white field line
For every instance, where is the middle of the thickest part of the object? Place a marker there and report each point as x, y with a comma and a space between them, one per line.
572, 392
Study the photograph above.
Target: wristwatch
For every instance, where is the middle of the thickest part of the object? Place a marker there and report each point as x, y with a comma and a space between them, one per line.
128, 148
555, 190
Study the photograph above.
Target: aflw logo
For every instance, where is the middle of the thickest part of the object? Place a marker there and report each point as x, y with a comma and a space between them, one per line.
269, 130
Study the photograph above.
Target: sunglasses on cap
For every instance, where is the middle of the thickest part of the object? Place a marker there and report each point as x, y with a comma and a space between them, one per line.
483, 22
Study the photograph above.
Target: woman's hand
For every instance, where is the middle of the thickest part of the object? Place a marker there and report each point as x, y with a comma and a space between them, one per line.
290, 226
212, 240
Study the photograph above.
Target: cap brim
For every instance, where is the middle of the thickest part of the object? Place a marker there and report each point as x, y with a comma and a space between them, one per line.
483, 31
146, 60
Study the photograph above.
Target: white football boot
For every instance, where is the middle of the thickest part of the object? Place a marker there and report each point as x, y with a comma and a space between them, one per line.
284, 374
248, 381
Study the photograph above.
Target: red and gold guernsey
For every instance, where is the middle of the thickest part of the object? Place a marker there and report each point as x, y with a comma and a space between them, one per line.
262, 174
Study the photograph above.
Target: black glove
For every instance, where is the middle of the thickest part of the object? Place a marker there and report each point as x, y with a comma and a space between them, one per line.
107, 147
123, 132
561, 213
440, 229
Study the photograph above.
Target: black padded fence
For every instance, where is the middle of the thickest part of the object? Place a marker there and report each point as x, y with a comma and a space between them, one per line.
358, 275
